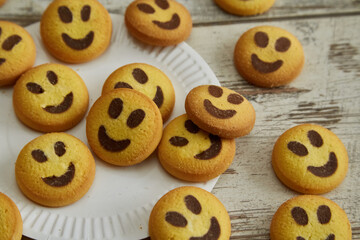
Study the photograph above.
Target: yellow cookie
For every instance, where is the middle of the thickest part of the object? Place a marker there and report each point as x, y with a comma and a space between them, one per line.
124, 127
220, 111
17, 52
76, 31
50, 97
268, 56
245, 7
310, 159
189, 213
158, 22
11, 224
310, 217
147, 79
55, 169
191, 154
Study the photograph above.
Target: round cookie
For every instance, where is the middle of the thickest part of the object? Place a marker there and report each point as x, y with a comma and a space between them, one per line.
76, 31
124, 127
17, 52
11, 225
310, 159
268, 56
191, 154
245, 7
55, 169
50, 98
189, 213
147, 79
220, 111
158, 22
310, 217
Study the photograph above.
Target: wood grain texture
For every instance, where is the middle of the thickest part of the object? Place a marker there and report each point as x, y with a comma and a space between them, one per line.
327, 92
202, 11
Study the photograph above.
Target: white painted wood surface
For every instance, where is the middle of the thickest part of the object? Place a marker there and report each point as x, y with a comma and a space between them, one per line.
327, 93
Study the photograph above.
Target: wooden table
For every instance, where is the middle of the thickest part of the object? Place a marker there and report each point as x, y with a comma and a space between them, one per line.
327, 93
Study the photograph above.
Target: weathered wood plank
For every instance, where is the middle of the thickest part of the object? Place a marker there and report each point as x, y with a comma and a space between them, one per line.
326, 93
202, 11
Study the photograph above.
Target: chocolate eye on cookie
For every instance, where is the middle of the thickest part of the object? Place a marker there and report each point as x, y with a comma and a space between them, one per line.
158, 22
191, 154
245, 7
124, 127
55, 169
268, 56
310, 159
17, 52
50, 97
76, 31
220, 111
189, 213
147, 79
310, 217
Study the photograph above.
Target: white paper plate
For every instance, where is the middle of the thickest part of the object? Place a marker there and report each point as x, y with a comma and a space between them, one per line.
119, 203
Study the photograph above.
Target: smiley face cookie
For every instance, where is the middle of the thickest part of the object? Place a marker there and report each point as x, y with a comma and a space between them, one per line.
189, 213
245, 7
124, 127
158, 22
55, 169
310, 159
17, 52
50, 97
268, 56
76, 31
310, 217
191, 154
11, 224
220, 111
148, 80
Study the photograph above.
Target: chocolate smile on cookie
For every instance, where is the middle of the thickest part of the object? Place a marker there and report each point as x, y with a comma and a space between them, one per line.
148, 80
158, 22
274, 57
191, 154
310, 217
76, 31
55, 181
299, 149
189, 213
66, 16
64, 164
318, 158
262, 40
78, 44
134, 120
124, 127
220, 111
54, 93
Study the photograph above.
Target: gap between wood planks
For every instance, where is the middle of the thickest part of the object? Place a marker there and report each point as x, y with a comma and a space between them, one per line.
271, 19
